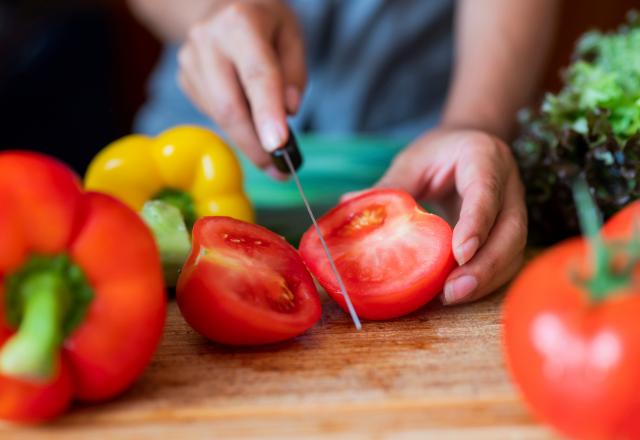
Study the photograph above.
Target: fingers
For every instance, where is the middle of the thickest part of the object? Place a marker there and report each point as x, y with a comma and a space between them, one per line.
407, 172
258, 67
481, 183
456, 289
263, 84
212, 84
500, 257
291, 53
474, 173
232, 69
189, 89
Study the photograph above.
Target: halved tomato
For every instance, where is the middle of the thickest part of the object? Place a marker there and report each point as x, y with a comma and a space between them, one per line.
393, 256
243, 284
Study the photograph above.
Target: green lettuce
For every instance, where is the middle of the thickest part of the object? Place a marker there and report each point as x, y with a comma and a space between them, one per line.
589, 129
604, 76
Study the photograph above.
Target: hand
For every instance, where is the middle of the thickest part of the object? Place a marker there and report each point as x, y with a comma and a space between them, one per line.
473, 178
243, 66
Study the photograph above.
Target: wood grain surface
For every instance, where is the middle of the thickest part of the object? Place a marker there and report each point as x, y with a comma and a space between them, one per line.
437, 373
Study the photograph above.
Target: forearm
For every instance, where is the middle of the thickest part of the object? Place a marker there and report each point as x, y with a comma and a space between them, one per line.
501, 47
170, 20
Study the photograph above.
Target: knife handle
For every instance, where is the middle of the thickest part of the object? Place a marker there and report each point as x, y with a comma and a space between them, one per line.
291, 147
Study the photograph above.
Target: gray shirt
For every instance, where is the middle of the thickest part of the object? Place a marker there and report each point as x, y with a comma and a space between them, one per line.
378, 67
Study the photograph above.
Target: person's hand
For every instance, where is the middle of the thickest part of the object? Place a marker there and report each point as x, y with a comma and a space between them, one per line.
472, 177
243, 66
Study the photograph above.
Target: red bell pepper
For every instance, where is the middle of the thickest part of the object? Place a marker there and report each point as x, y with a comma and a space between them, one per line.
82, 302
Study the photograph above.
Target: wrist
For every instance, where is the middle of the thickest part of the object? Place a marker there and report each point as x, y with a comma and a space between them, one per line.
484, 112
494, 124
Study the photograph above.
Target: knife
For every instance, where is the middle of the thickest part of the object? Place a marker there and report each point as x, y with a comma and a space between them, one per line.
288, 160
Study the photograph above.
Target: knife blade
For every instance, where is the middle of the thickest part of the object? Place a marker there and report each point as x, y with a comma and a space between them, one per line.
288, 159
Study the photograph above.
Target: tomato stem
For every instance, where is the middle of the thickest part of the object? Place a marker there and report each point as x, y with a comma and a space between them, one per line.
605, 279
30, 354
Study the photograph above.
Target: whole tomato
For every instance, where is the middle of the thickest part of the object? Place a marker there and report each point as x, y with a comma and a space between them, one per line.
572, 334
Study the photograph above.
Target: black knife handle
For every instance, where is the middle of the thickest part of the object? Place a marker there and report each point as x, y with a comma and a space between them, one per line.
291, 147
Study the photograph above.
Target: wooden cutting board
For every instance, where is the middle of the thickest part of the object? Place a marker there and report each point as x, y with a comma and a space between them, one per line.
437, 373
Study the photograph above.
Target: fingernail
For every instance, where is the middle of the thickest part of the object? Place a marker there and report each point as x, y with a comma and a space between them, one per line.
466, 250
272, 135
458, 289
292, 99
275, 173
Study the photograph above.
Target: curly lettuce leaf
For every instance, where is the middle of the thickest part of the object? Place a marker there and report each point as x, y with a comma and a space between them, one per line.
605, 76
589, 130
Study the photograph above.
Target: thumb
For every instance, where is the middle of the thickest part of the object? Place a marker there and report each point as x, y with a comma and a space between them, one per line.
400, 175
407, 172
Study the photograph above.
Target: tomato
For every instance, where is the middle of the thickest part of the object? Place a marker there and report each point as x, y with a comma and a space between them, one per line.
624, 223
243, 284
576, 361
393, 256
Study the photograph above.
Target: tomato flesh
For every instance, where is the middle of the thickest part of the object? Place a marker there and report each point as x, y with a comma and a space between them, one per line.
393, 256
245, 285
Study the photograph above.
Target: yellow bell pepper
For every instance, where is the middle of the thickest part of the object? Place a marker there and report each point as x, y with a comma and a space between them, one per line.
187, 166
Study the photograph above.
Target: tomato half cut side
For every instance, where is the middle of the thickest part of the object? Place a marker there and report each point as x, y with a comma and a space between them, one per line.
243, 285
393, 256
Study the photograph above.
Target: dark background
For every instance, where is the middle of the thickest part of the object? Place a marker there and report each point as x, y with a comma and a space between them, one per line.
73, 72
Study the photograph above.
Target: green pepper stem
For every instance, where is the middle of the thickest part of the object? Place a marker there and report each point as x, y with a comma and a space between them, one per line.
172, 237
182, 200
31, 353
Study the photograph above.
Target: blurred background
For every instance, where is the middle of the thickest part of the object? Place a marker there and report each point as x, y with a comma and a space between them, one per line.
73, 72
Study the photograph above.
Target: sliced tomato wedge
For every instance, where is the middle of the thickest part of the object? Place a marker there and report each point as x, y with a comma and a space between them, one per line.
393, 256
245, 285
